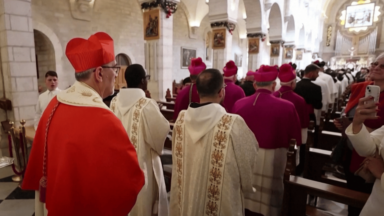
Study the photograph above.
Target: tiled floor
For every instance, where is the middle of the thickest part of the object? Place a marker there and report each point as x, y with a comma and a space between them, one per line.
13, 200
16, 202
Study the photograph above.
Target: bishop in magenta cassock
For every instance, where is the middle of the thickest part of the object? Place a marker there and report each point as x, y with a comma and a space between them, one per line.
287, 77
82, 162
233, 92
189, 94
274, 122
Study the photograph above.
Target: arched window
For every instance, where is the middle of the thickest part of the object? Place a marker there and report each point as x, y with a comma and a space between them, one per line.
123, 60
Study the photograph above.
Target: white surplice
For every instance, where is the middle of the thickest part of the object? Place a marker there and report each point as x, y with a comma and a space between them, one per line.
326, 98
332, 88
268, 181
147, 129
42, 103
213, 155
365, 144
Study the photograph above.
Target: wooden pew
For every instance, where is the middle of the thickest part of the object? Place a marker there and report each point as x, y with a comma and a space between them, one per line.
317, 161
296, 190
167, 105
167, 113
170, 99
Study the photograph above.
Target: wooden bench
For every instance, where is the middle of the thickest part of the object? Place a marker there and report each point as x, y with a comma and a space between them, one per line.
168, 114
297, 189
170, 99
317, 161
167, 105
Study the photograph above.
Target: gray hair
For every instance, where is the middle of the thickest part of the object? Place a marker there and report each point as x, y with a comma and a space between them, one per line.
84, 75
264, 84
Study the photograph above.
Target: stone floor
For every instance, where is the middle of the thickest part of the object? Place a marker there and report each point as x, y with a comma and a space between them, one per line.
16, 202
13, 200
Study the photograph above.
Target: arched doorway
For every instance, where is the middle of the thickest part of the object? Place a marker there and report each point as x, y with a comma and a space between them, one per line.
124, 61
45, 58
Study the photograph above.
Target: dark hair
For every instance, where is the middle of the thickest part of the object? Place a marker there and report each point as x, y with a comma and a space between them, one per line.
187, 80
209, 82
134, 74
248, 88
322, 64
310, 68
293, 65
51, 73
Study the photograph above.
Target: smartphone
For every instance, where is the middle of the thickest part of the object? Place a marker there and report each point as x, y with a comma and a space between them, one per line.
373, 91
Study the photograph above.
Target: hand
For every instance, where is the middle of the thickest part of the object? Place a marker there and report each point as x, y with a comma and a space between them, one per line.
375, 165
364, 111
338, 124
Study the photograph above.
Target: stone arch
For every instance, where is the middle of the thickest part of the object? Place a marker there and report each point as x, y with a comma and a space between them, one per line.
275, 23
45, 57
291, 30
123, 59
58, 50
255, 19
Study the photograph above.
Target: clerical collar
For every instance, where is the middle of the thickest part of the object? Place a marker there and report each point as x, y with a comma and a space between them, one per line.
263, 91
197, 105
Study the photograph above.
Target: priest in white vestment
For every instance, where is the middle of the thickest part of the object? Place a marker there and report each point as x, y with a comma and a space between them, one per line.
368, 145
214, 153
147, 129
51, 82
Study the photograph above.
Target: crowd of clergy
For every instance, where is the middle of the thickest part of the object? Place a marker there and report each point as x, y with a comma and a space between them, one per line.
229, 142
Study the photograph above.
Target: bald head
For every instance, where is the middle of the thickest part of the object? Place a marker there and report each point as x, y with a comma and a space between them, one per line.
209, 83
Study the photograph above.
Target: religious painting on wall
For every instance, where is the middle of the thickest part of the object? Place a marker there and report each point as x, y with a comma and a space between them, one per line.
360, 15
253, 45
219, 38
299, 55
288, 52
152, 24
275, 50
187, 54
238, 60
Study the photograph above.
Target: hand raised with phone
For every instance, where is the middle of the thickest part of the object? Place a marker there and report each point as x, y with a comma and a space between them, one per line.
366, 109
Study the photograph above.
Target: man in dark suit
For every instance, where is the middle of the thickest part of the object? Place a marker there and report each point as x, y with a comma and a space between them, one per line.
311, 94
310, 91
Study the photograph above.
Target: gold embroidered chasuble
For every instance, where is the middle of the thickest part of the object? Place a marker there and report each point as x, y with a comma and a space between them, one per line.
213, 156
147, 129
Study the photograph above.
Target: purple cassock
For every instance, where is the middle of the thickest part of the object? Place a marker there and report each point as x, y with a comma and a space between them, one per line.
274, 121
184, 98
286, 92
233, 93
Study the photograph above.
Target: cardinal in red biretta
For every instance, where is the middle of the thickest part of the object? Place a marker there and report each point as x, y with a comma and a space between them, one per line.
82, 161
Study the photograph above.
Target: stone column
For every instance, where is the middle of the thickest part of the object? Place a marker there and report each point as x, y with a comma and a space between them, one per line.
159, 57
222, 55
18, 62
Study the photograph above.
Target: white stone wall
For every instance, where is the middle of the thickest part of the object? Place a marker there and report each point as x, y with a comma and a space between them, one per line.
181, 39
122, 19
